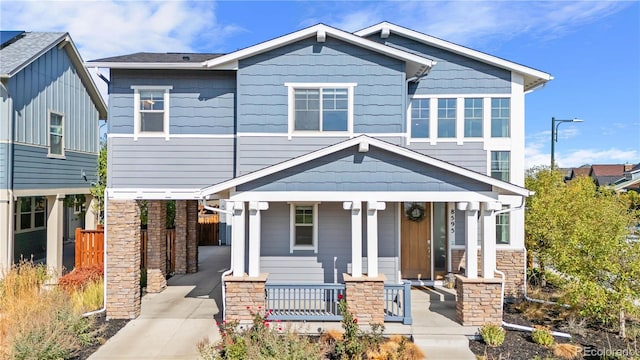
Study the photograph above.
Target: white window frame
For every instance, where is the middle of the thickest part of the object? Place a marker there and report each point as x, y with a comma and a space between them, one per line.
291, 87
509, 120
136, 110
410, 120
292, 228
490, 163
62, 123
18, 214
504, 215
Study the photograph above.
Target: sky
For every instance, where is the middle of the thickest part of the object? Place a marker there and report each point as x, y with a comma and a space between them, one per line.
591, 48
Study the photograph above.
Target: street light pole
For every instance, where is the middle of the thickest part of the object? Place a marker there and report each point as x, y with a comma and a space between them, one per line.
554, 135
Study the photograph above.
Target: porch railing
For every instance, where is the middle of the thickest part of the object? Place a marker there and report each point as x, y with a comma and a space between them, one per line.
397, 302
314, 302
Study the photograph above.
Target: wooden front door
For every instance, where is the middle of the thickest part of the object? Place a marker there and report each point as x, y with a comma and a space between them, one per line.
415, 244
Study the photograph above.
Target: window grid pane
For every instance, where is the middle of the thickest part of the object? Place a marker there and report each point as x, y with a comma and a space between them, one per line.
420, 118
307, 109
500, 117
446, 118
304, 225
502, 228
152, 111
473, 117
55, 134
334, 110
500, 165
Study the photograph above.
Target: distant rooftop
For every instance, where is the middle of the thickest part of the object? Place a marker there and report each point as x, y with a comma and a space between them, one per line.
147, 57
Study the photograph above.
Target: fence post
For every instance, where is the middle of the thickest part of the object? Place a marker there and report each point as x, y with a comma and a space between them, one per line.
407, 303
79, 247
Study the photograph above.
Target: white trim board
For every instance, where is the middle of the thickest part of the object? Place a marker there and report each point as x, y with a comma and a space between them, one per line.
364, 140
535, 77
364, 196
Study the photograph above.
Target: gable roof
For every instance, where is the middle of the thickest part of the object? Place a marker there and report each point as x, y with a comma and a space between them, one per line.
532, 77
18, 54
146, 60
368, 141
416, 65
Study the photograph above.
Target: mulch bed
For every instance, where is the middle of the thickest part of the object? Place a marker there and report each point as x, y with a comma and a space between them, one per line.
106, 329
596, 343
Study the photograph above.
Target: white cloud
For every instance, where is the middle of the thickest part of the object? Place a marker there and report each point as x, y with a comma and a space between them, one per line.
108, 28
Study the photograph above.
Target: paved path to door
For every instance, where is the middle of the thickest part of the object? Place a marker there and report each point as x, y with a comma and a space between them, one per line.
172, 322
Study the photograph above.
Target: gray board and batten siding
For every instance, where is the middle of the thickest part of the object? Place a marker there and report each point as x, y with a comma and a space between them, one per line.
378, 96
32, 169
200, 102
334, 246
177, 163
51, 83
453, 73
375, 170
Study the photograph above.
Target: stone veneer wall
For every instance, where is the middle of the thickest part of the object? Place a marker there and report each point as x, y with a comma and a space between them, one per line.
156, 246
123, 259
512, 263
509, 261
181, 237
244, 295
192, 238
365, 298
478, 301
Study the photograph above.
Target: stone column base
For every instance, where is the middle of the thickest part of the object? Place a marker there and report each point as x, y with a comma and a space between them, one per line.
244, 295
512, 263
478, 301
365, 298
156, 281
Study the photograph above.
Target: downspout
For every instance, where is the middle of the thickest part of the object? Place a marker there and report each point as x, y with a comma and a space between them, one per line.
230, 270
104, 271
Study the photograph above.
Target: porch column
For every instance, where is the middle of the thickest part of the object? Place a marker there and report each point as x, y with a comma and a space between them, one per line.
90, 216
471, 234
489, 239
238, 239
156, 246
6, 230
192, 236
372, 236
356, 237
55, 211
254, 236
181, 237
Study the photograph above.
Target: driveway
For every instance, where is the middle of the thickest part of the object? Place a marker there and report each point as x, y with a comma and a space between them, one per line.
172, 322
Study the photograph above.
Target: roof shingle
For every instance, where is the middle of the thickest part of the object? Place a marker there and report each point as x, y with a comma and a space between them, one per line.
26, 49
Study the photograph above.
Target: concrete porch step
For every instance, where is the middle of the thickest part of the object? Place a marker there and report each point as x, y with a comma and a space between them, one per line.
444, 347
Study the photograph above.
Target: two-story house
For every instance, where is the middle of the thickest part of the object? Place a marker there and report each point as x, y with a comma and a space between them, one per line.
345, 163
49, 141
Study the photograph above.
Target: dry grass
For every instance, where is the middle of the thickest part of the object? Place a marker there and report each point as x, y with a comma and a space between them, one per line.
396, 348
89, 297
567, 351
331, 336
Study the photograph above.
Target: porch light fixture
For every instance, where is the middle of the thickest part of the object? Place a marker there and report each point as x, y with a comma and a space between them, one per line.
554, 135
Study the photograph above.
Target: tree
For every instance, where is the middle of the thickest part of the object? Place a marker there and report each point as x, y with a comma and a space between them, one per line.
97, 188
581, 231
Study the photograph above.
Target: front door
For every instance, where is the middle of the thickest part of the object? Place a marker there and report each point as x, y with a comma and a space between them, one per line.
415, 241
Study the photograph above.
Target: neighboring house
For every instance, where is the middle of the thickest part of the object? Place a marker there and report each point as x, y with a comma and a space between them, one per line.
49, 141
620, 176
343, 162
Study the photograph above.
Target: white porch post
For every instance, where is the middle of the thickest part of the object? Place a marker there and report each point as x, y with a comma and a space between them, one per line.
238, 239
372, 236
90, 216
254, 236
356, 236
489, 239
55, 210
471, 235
6, 230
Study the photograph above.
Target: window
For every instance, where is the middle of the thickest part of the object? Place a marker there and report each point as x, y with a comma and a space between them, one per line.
151, 116
500, 117
500, 165
304, 231
420, 118
446, 118
320, 107
30, 213
502, 228
473, 117
56, 134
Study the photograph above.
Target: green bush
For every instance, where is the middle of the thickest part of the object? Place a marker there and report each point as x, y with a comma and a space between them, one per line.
492, 334
542, 335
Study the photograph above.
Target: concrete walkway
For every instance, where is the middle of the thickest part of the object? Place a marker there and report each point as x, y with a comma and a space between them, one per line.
172, 322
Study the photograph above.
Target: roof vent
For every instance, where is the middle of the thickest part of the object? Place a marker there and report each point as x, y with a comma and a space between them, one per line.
185, 58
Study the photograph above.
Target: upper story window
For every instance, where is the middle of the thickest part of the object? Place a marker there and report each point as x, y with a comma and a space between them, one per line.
500, 117
420, 118
30, 213
320, 107
473, 117
304, 227
502, 228
56, 135
446, 118
151, 116
500, 165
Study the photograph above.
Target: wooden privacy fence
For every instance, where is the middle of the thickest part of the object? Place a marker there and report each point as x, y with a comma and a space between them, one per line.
89, 247
171, 249
208, 229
